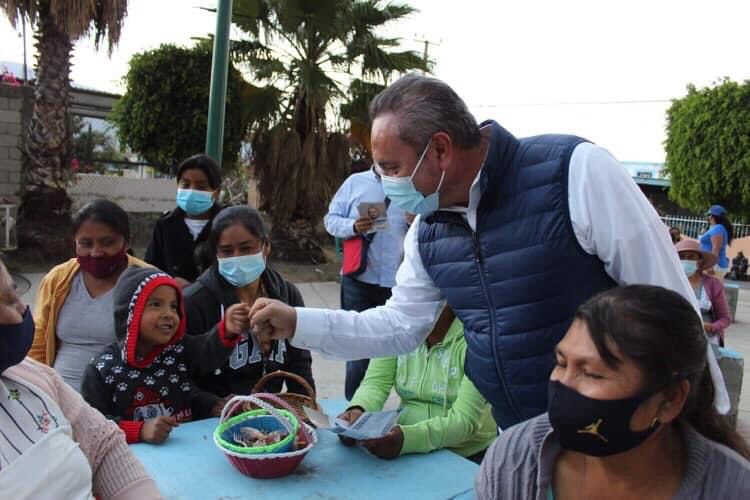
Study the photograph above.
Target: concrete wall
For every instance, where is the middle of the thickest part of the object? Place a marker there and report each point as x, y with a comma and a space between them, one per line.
133, 195
741, 244
15, 112
145, 200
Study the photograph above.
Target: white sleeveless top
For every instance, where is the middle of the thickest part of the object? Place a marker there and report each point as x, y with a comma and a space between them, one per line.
38, 457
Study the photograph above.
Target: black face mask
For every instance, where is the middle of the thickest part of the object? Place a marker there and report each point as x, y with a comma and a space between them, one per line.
594, 427
15, 341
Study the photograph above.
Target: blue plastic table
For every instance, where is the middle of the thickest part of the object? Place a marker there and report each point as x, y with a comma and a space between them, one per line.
189, 466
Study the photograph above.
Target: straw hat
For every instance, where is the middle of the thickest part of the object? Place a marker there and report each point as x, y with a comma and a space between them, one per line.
708, 258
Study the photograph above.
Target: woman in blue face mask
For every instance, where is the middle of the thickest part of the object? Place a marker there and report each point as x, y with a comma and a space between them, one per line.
239, 247
179, 232
709, 290
630, 412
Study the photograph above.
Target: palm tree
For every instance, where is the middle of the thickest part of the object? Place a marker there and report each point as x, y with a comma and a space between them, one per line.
44, 214
303, 53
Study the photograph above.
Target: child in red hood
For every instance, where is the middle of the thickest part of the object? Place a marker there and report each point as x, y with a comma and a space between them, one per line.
144, 380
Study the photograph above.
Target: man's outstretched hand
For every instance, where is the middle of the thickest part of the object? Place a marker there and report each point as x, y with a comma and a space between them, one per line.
272, 320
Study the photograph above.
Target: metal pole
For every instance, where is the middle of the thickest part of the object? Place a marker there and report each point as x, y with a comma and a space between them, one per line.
219, 68
25, 67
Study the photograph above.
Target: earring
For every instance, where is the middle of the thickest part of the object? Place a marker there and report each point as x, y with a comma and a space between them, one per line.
655, 422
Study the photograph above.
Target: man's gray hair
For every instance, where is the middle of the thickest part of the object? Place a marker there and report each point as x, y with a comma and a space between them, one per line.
423, 106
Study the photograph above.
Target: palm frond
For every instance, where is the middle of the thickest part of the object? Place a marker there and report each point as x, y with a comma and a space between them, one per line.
250, 15
355, 109
369, 14
15, 10
261, 104
75, 18
258, 57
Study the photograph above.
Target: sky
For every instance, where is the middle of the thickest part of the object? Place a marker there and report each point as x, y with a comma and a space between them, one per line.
602, 69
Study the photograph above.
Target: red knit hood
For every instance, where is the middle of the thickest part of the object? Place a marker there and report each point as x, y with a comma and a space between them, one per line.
134, 288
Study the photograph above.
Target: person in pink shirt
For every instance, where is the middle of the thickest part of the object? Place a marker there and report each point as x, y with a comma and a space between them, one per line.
52, 444
709, 290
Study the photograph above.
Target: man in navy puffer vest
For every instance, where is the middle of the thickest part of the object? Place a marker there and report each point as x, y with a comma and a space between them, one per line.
513, 233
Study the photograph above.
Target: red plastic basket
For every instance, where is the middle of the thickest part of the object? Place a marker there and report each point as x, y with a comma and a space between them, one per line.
268, 465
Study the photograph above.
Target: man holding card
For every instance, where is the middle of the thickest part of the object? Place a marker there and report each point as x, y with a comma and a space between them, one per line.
490, 208
360, 211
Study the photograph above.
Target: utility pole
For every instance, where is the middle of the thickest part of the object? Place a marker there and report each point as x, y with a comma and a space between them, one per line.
426, 50
218, 93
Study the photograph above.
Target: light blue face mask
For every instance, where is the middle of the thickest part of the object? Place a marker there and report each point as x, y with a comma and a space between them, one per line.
402, 192
195, 202
242, 270
689, 266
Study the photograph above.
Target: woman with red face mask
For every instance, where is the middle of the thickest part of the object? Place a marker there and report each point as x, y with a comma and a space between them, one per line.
73, 312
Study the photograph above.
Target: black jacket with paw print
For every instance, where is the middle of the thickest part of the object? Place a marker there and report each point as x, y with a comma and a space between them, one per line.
132, 390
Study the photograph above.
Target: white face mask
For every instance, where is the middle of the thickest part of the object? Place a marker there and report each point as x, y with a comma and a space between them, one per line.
689, 266
403, 192
242, 270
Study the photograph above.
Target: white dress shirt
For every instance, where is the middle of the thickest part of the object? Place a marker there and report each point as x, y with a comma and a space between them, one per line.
611, 219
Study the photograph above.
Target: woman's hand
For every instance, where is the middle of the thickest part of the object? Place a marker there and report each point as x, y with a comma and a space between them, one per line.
708, 328
236, 320
389, 446
351, 415
157, 429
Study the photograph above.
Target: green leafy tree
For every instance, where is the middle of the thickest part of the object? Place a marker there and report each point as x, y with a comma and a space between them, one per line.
305, 53
44, 214
708, 147
163, 114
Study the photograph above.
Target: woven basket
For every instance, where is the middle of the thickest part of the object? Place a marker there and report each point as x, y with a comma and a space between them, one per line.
262, 420
266, 465
296, 401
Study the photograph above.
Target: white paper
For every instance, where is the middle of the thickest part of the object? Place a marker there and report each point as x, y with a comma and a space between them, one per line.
370, 425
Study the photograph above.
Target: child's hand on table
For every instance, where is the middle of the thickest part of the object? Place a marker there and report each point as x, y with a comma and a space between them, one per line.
157, 429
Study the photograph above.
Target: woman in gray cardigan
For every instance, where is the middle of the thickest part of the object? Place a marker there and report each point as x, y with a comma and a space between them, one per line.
630, 412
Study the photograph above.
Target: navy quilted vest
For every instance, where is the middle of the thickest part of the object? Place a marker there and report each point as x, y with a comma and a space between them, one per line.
516, 282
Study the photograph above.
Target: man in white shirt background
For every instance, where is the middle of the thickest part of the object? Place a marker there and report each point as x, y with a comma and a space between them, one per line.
371, 286
491, 208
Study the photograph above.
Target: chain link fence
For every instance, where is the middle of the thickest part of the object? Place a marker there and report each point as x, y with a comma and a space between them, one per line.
132, 194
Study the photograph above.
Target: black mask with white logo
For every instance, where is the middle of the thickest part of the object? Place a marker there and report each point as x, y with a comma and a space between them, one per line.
595, 427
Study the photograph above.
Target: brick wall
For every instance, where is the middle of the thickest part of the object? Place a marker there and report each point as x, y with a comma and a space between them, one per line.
15, 111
